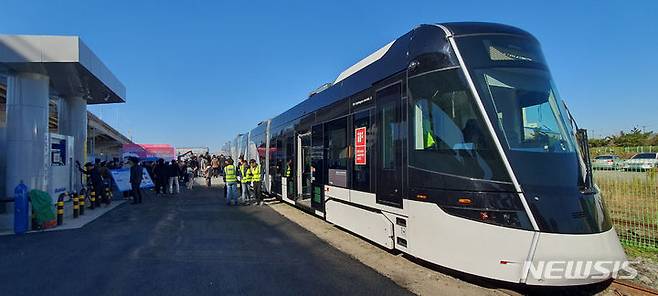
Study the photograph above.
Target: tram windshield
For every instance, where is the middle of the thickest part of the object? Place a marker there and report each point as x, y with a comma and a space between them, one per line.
527, 110
515, 86
520, 99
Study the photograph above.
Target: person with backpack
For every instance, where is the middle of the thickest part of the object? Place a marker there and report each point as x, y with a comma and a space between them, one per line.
214, 163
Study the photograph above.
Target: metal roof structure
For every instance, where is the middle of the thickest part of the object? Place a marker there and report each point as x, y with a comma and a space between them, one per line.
74, 70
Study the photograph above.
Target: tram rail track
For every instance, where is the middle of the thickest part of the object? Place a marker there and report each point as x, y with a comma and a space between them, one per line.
624, 287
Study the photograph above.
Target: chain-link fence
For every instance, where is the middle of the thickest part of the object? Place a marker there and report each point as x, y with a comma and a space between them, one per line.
624, 152
630, 192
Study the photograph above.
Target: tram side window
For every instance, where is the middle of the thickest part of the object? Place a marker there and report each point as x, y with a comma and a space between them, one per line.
275, 160
390, 134
289, 167
361, 171
3, 101
262, 150
337, 152
317, 155
449, 133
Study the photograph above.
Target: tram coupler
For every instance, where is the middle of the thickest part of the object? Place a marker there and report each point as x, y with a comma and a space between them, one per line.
76, 206
60, 208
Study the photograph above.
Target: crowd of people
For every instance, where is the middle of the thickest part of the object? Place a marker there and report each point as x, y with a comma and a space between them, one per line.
248, 176
99, 177
168, 176
242, 179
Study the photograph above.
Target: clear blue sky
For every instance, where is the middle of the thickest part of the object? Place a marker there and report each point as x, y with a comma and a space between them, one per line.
199, 72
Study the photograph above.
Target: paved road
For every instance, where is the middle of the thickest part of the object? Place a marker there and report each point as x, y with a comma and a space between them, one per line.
188, 245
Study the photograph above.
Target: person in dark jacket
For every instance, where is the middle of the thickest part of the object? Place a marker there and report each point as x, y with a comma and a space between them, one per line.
174, 173
182, 172
136, 180
160, 176
94, 177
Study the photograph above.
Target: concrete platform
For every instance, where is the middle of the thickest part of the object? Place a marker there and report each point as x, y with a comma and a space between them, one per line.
73, 223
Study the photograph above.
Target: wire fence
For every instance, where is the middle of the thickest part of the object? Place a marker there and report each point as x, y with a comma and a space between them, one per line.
624, 152
630, 193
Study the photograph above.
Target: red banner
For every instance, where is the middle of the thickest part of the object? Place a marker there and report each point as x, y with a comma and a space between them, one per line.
360, 146
149, 151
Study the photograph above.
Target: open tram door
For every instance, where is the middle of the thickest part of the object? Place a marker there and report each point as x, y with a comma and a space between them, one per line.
317, 177
303, 169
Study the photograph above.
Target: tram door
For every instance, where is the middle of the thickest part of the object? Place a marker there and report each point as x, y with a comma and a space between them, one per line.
317, 167
304, 167
390, 138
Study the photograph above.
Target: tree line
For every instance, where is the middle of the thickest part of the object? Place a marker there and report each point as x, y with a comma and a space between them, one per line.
634, 137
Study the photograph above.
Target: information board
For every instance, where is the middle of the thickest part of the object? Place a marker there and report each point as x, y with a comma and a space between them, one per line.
122, 179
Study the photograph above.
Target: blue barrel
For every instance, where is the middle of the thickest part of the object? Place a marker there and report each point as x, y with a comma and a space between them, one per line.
21, 209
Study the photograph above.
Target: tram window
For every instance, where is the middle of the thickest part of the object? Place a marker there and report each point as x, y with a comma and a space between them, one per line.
275, 157
449, 133
337, 151
3, 101
317, 154
527, 110
290, 170
361, 172
389, 135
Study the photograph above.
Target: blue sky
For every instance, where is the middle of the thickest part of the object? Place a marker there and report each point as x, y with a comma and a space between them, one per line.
199, 72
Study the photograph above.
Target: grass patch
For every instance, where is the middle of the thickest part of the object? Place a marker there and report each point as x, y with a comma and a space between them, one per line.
646, 253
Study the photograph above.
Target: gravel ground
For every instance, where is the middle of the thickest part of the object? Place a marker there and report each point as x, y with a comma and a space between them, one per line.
647, 271
415, 277
426, 279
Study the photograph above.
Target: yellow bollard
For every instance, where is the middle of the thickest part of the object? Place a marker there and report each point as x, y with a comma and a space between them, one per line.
76, 207
60, 209
92, 198
108, 194
81, 201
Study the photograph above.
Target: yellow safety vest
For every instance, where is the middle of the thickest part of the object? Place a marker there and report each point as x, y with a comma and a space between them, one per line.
229, 173
244, 172
255, 173
429, 140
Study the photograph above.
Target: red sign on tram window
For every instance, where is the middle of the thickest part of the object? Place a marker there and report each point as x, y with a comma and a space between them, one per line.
360, 146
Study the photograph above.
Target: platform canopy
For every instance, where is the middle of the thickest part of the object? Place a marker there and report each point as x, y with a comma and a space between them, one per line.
74, 70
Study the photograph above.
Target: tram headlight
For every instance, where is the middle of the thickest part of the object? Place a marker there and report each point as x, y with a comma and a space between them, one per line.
502, 209
504, 218
498, 208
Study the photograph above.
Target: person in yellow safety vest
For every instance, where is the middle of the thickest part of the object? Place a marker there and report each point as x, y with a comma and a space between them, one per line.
245, 179
231, 183
254, 172
289, 169
289, 180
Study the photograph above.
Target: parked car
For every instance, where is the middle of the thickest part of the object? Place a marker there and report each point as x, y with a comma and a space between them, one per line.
642, 161
607, 162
